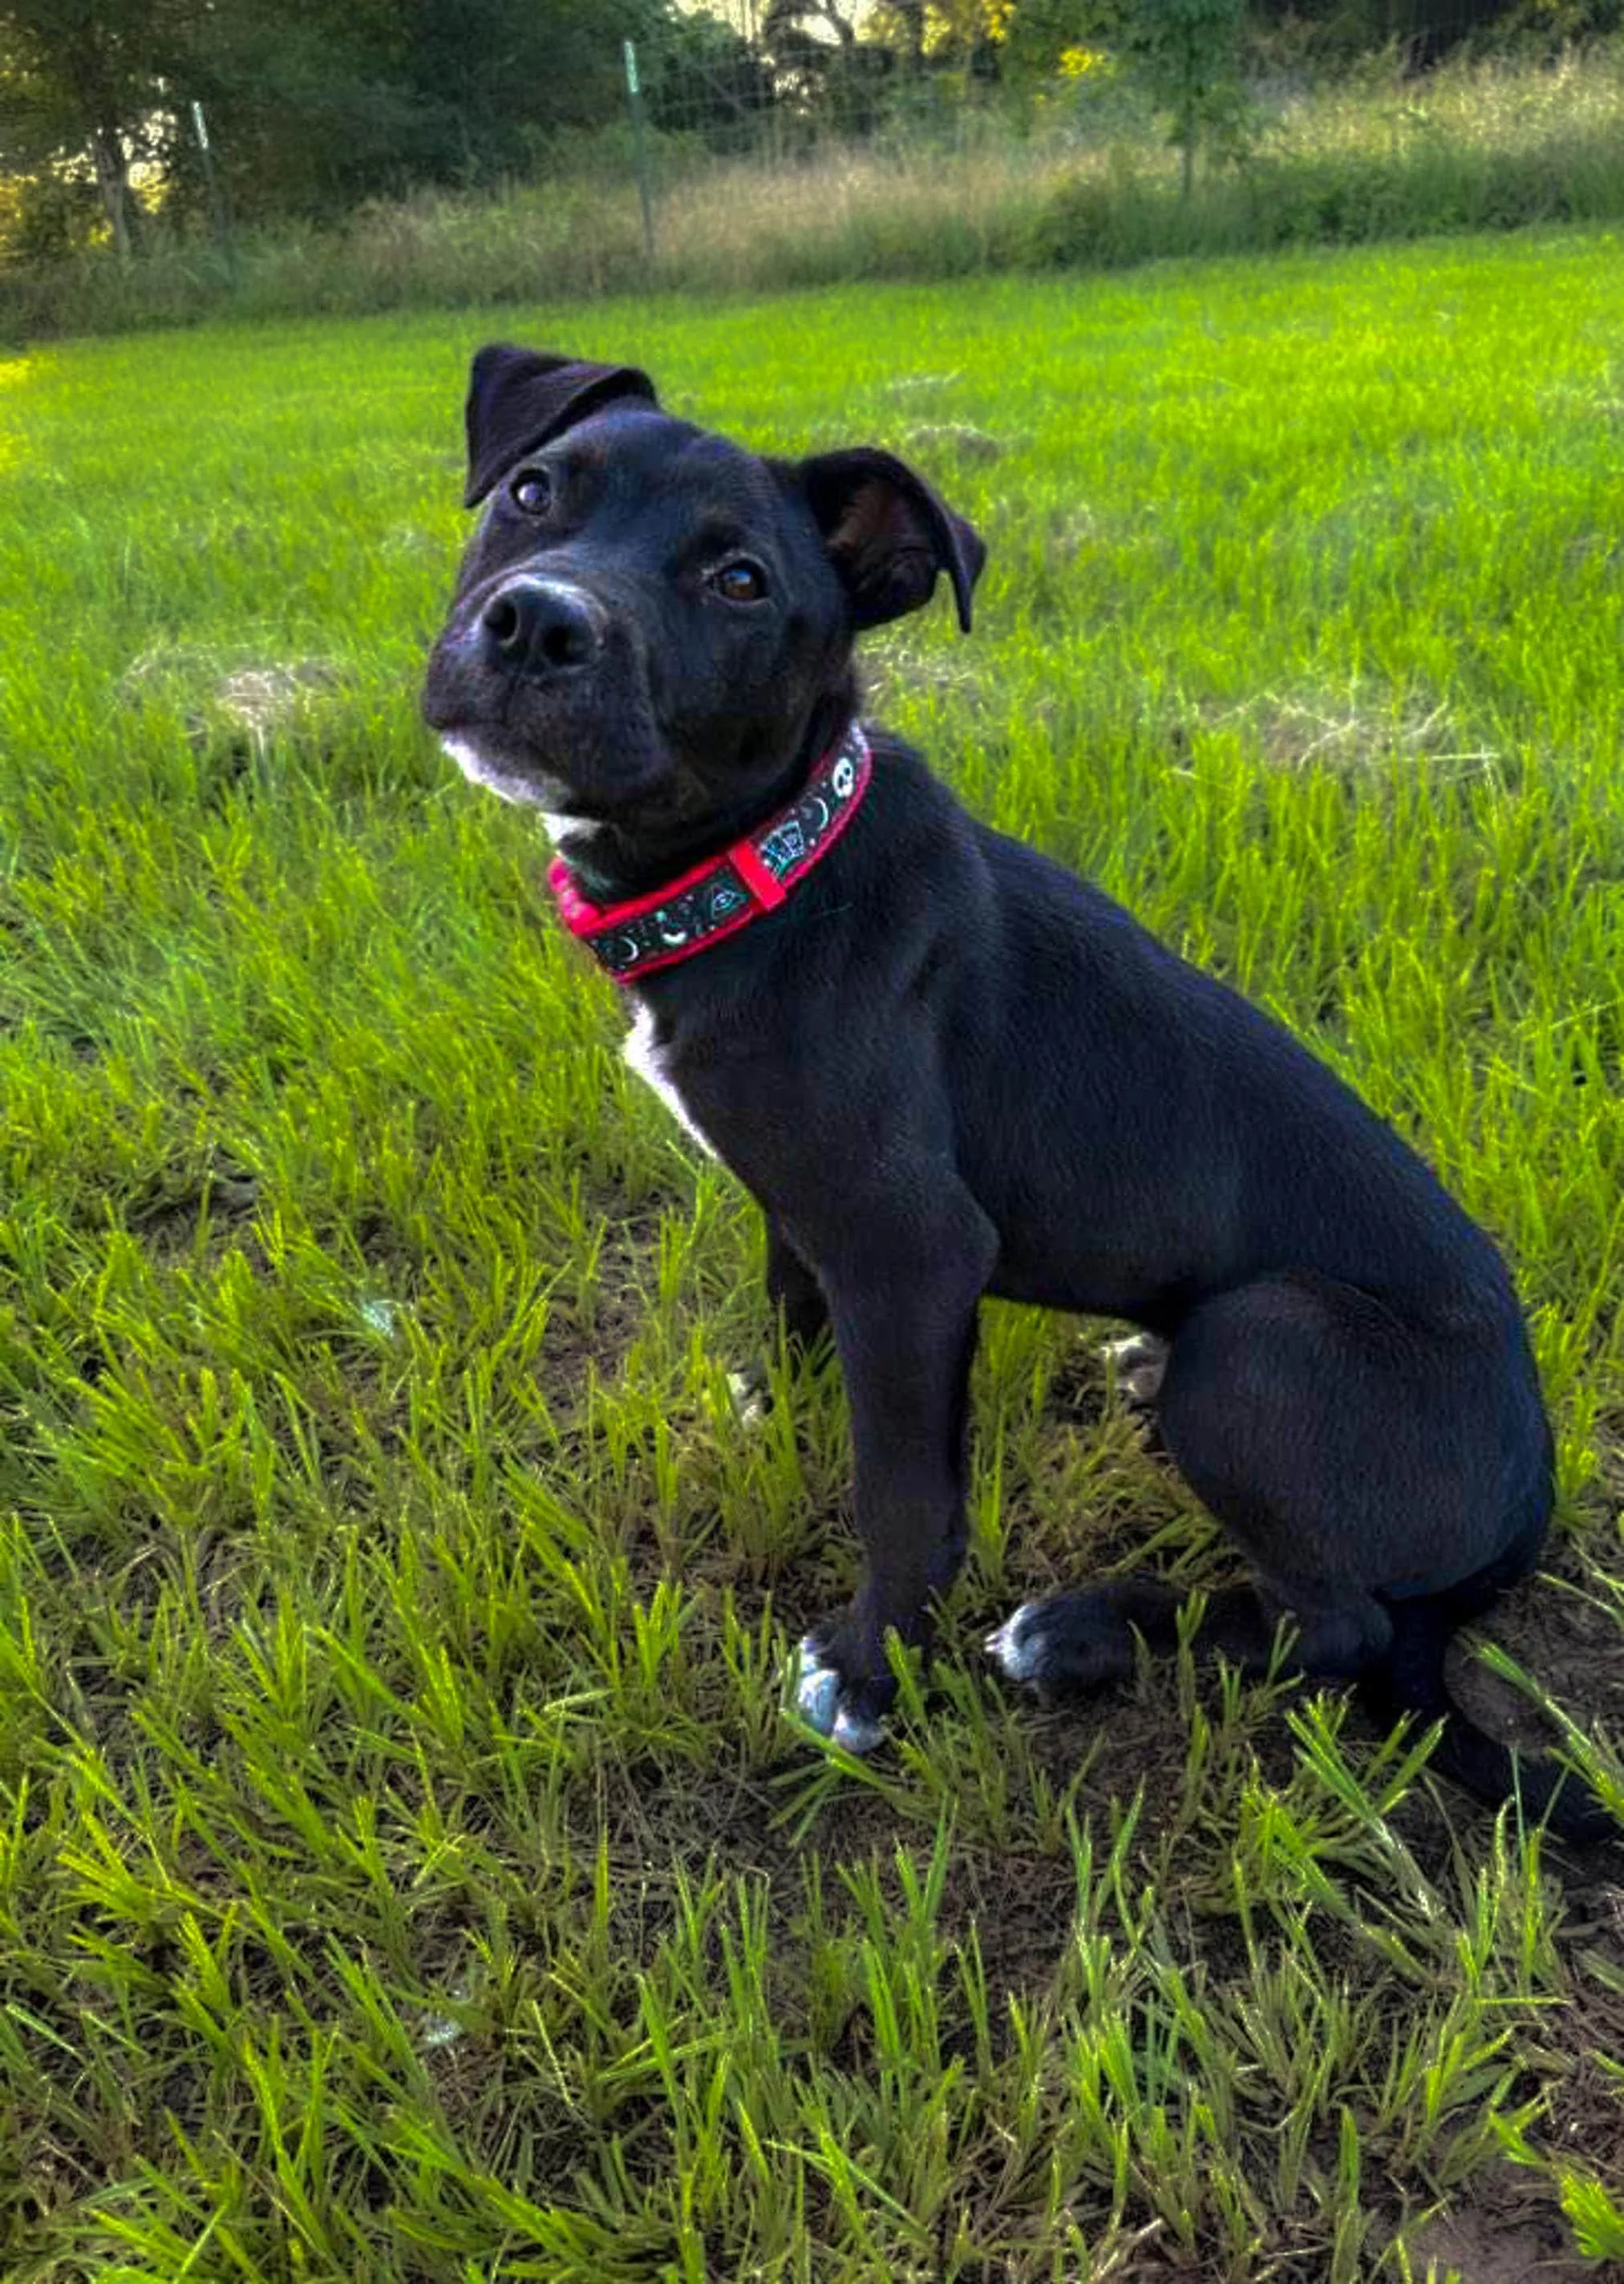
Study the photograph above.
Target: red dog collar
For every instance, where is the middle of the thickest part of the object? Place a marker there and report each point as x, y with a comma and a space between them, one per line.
726, 893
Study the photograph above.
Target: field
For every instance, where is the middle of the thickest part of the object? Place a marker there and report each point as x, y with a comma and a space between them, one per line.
406, 1870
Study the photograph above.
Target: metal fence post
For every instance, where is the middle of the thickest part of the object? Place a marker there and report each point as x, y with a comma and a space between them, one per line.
634, 96
217, 213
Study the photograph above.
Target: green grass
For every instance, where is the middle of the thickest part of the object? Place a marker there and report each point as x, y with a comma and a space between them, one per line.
406, 1869
1479, 144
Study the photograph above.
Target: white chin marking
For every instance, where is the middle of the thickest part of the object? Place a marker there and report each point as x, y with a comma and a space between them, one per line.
563, 830
478, 772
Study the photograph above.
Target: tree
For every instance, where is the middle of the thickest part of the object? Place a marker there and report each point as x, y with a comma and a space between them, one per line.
312, 105
84, 82
1187, 53
1011, 42
319, 104
498, 77
701, 76
312, 108
1032, 37
819, 65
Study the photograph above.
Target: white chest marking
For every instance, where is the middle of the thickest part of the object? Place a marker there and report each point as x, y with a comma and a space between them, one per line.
642, 1052
643, 1055
563, 829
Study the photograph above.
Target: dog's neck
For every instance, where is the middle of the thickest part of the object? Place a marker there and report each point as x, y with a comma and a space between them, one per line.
613, 862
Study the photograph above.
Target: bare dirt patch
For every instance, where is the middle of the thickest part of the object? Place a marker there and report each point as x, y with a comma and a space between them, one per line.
1350, 731
595, 1341
232, 691
954, 439
1506, 2232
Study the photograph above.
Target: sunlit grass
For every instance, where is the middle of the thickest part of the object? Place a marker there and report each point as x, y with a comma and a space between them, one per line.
406, 1869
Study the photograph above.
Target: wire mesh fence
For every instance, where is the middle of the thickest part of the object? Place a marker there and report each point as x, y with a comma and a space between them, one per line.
768, 149
794, 93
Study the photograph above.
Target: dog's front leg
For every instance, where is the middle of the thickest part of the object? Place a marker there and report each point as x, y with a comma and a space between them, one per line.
905, 1328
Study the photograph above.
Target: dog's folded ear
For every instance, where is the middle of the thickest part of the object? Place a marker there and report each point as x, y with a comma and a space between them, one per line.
517, 399
888, 535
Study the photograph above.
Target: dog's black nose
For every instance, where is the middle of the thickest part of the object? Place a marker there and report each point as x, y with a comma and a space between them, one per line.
532, 628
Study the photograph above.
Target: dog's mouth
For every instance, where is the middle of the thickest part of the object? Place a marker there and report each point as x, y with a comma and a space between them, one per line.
509, 778
585, 744
540, 778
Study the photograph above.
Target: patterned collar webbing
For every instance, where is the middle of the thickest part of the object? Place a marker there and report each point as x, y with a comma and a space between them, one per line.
727, 892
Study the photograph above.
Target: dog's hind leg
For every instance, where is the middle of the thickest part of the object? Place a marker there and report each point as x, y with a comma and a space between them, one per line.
1279, 1425
1384, 1482
792, 1291
1354, 1454
797, 1302
1079, 1640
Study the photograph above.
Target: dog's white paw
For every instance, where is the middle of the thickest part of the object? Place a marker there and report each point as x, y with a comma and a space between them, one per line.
818, 1692
749, 1397
818, 1702
1139, 1364
1013, 1647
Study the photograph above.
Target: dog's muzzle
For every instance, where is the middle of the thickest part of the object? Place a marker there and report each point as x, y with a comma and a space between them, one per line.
539, 687
541, 629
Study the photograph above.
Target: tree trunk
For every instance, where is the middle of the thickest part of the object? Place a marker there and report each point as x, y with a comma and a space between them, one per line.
1187, 124
911, 13
112, 180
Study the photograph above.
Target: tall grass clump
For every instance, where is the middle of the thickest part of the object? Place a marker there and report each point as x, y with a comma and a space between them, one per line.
1479, 146
1476, 145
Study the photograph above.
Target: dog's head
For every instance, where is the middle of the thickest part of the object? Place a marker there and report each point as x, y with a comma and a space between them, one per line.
649, 619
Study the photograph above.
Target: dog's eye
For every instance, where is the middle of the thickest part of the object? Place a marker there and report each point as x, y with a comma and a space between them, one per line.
740, 581
532, 491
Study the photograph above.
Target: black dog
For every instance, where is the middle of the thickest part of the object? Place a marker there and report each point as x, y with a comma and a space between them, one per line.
944, 1067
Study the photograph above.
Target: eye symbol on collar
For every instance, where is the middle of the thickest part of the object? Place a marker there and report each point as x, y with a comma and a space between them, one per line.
843, 777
